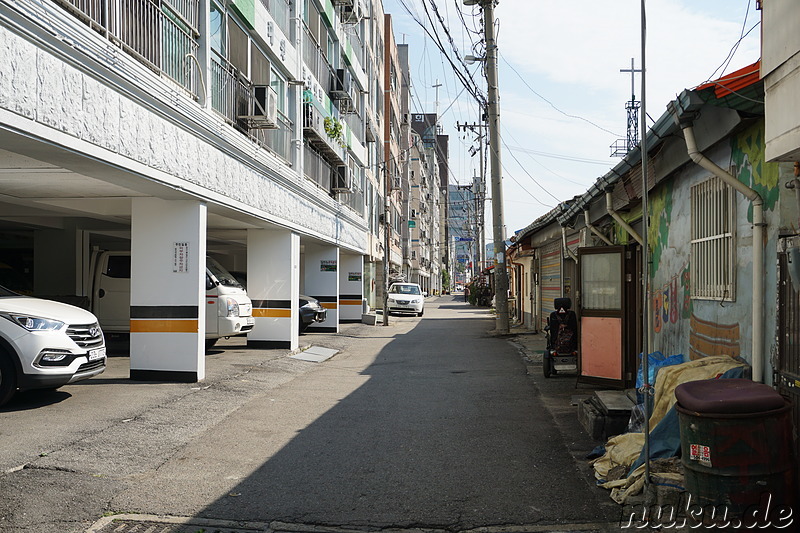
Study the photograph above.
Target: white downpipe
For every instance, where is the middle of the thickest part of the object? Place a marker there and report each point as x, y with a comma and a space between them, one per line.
570, 253
594, 229
615, 216
758, 248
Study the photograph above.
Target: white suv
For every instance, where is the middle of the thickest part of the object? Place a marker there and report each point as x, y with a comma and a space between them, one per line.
46, 344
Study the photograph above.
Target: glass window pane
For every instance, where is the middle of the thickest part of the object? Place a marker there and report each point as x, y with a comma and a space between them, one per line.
217, 36
601, 279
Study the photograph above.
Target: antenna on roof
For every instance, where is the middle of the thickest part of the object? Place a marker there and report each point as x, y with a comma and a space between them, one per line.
622, 146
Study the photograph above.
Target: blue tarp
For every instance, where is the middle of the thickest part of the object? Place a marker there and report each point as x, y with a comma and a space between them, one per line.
665, 438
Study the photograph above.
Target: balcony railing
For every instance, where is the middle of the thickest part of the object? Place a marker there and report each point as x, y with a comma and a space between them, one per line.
315, 60
279, 140
317, 169
160, 35
231, 96
280, 11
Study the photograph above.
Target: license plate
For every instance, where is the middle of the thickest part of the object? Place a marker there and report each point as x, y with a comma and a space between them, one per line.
250, 321
96, 354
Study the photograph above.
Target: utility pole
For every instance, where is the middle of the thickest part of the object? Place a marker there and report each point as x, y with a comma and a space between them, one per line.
493, 111
387, 251
479, 191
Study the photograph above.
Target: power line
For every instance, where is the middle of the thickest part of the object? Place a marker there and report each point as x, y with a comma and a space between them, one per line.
577, 117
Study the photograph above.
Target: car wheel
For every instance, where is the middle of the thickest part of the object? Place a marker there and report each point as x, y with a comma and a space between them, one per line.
303, 326
210, 343
421, 313
8, 378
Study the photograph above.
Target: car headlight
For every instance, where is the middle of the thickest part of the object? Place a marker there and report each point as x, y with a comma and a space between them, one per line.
35, 323
415, 300
233, 307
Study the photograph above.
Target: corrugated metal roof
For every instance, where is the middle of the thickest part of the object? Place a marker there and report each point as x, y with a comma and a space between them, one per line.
735, 81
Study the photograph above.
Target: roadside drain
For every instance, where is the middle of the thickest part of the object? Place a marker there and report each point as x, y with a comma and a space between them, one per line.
137, 523
133, 523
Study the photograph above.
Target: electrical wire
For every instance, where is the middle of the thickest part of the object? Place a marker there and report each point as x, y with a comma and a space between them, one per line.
568, 115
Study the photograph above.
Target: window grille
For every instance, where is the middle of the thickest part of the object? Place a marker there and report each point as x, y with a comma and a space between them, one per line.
713, 241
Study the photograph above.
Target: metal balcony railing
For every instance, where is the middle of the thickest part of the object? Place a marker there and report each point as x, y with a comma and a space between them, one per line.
317, 169
231, 96
280, 11
315, 60
278, 140
162, 35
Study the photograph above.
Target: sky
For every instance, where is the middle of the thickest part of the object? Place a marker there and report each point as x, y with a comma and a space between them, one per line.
562, 95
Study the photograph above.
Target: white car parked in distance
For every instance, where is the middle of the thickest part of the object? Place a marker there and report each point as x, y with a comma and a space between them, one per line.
406, 298
46, 344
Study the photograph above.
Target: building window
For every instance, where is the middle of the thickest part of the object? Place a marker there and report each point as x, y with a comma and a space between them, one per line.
278, 84
217, 33
713, 241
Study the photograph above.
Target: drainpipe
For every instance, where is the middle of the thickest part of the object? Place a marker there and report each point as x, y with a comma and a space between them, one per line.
594, 229
758, 248
570, 253
610, 208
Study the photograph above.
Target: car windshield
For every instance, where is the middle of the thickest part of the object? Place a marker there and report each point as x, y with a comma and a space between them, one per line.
222, 275
404, 289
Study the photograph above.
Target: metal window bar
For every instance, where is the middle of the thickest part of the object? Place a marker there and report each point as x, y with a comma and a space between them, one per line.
712, 240
316, 168
278, 140
160, 35
280, 11
315, 60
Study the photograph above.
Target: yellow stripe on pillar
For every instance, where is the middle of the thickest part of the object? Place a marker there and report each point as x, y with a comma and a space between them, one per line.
272, 313
164, 326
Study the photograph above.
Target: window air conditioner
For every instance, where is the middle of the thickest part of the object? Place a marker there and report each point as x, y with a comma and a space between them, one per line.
262, 108
342, 179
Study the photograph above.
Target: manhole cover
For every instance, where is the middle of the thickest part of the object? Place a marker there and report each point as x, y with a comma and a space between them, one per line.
129, 523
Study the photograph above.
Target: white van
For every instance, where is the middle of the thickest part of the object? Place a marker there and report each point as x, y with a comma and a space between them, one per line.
229, 311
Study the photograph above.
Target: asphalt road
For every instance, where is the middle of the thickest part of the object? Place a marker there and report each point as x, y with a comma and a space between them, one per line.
428, 423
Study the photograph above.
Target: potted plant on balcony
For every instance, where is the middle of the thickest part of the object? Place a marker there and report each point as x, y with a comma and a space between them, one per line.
335, 130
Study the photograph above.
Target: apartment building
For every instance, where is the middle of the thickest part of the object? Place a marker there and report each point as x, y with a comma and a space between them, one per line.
247, 130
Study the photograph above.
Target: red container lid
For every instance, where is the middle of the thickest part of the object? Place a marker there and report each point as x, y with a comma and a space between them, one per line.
732, 396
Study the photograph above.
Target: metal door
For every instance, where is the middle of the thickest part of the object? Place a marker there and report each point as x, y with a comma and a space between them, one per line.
549, 280
787, 372
607, 310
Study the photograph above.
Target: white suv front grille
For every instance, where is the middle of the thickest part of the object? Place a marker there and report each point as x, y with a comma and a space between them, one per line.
86, 335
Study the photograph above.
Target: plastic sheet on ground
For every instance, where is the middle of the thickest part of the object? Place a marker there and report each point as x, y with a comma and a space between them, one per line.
623, 450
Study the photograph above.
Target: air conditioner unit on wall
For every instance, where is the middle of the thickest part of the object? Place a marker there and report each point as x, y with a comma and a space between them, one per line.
342, 179
351, 12
262, 108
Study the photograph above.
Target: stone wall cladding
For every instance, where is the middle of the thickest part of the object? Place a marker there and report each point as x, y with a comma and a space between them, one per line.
38, 85
17, 78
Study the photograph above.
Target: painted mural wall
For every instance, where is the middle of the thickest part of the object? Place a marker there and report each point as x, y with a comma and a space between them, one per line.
698, 328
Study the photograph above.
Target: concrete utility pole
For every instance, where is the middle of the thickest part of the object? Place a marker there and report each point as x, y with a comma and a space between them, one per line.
478, 191
493, 108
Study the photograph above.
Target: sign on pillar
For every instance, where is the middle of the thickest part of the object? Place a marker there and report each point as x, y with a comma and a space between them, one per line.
168, 269
322, 282
351, 288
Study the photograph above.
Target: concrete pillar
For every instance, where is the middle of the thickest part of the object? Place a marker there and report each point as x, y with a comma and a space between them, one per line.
351, 287
168, 271
273, 284
322, 283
